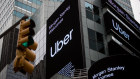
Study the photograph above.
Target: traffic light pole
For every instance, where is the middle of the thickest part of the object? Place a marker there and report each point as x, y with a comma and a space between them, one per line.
25, 45
13, 26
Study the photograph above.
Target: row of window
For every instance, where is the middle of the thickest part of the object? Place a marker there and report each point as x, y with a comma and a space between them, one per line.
6, 22
2, 2
18, 14
25, 6
6, 16
95, 38
124, 6
57, 0
96, 41
5, 13
127, 1
92, 12
5, 7
38, 2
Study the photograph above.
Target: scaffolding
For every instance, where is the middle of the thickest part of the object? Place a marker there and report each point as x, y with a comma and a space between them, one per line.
80, 74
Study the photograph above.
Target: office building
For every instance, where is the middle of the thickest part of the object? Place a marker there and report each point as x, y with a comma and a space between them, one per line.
11, 12
126, 5
136, 9
98, 42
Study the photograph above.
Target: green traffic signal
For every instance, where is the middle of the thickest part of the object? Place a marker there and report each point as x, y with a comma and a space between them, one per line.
29, 42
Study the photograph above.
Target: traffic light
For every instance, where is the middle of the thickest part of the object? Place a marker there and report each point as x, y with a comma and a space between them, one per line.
24, 45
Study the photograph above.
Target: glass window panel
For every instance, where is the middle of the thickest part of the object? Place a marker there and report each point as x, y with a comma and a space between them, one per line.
18, 14
95, 10
91, 34
33, 10
99, 37
92, 44
24, 6
96, 14
28, 8
38, 2
16, 3
89, 15
100, 47
97, 19
88, 6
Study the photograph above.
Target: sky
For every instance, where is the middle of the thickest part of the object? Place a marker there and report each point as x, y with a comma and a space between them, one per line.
136, 9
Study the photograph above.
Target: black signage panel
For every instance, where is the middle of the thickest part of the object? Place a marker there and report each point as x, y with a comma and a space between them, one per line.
64, 38
122, 14
120, 31
115, 67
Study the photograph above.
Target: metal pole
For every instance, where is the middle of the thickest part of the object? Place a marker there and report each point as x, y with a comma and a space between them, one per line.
13, 26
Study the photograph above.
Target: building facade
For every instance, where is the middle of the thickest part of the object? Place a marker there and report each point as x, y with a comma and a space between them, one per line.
11, 12
126, 5
98, 43
135, 8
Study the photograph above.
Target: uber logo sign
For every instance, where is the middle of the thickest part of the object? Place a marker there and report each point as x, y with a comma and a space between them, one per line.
121, 31
59, 44
64, 43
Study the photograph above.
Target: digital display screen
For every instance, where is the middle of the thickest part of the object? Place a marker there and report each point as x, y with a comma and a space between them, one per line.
115, 67
122, 14
121, 31
64, 38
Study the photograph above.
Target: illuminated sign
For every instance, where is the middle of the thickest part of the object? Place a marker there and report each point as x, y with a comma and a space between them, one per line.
64, 48
115, 67
120, 30
59, 44
112, 4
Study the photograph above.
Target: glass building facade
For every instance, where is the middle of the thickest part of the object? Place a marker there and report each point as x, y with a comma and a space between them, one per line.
10, 12
126, 5
95, 40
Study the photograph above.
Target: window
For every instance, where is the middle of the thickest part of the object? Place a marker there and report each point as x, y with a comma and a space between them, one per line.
24, 6
18, 14
38, 2
57, 0
96, 41
89, 9
92, 12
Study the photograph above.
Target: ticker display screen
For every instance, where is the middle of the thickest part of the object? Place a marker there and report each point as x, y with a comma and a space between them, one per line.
64, 38
115, 67
121, 31
119, 11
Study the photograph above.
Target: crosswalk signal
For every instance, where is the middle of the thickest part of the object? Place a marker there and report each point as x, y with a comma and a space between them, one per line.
24, 45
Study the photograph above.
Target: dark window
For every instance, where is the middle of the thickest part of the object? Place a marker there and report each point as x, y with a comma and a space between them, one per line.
92, 12
92, 40
96, 41
92, 62
96, 14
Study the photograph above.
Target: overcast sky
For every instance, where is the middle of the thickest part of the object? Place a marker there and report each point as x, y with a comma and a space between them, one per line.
136, 9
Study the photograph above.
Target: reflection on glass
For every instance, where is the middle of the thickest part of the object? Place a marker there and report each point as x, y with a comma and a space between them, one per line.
88, 6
